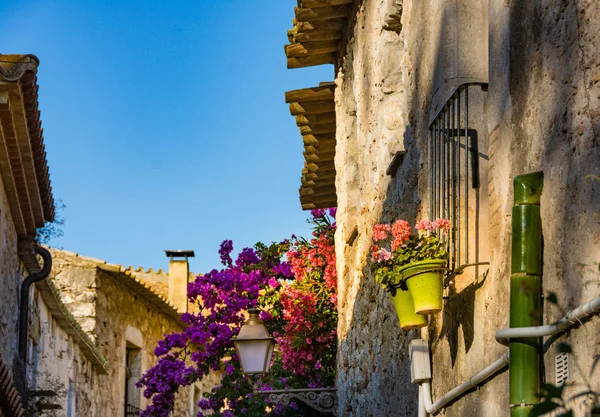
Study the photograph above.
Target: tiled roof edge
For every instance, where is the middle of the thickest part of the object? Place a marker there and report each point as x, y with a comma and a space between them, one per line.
14, 67
10, 399
126, 276
145, 290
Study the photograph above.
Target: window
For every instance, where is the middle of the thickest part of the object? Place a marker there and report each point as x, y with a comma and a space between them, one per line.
196, 396
71, 399
458, 173
133, 373
34, 364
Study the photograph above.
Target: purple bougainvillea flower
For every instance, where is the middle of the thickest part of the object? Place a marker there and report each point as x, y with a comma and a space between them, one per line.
225, 252
318, 213
264, 315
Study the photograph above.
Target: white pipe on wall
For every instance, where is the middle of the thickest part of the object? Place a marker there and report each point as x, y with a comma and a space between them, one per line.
422, 409
426, 405
573, 317
472, 382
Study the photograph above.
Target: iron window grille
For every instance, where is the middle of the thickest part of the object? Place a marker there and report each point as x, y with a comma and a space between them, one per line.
454, 169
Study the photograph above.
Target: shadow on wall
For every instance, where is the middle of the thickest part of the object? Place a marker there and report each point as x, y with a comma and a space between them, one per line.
459, 312
403, 195
553, 125
553, 56
375, 330
374, 354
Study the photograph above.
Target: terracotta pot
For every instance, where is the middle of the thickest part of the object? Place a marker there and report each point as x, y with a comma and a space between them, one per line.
424, 282
403, 303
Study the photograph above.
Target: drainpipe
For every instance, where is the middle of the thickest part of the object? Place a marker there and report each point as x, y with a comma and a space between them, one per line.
24, 305
525, 292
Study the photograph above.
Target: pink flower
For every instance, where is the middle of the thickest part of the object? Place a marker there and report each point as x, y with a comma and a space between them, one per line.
333, 299
374, 251
381, 254
380, 232
384, 255
424, 225
273, 283
401, 232
441, 224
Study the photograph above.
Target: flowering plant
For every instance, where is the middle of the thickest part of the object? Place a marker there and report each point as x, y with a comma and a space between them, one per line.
295, 284
309, 303
395, 245
221, 298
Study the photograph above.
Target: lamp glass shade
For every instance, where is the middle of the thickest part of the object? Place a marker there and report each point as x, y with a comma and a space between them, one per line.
255, 355
254, 346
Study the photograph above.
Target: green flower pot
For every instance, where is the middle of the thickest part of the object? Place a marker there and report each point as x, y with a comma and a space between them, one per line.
424, 282
403, 303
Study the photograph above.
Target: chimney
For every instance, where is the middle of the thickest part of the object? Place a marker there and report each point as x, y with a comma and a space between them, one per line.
179, 271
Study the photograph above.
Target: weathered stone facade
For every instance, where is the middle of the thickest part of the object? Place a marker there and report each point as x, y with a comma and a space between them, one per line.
10, 281
124, 312
89, 333
542, 112
26, 203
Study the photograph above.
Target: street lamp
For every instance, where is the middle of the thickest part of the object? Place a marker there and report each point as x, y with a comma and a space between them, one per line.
254, 345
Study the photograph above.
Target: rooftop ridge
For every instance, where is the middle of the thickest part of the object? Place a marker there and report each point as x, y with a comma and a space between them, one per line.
155, 293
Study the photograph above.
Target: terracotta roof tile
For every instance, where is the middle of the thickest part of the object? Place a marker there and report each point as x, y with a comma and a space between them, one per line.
10, 400
21, 70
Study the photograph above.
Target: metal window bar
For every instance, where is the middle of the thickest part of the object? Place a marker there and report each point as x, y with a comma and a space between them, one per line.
452, 179
132, 411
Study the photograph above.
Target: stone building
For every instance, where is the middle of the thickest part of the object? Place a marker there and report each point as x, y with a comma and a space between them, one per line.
121, 314
26, 203
434, 108
88, 332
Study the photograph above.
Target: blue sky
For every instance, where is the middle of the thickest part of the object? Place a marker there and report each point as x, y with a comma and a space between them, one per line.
165, 122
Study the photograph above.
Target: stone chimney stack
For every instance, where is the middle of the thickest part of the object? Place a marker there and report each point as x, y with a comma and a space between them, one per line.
179, 272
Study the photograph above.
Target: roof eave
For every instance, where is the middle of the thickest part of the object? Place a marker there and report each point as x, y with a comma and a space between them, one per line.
23, 163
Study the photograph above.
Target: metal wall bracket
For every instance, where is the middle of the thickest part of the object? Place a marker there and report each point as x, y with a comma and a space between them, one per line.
321, 399
458, 271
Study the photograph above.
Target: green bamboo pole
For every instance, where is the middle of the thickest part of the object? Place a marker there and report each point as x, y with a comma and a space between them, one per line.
525, 292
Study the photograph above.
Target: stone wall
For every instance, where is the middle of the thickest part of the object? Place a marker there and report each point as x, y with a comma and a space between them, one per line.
116, 317
56, 363
10, 281
544, 114
76, 278
541, 112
